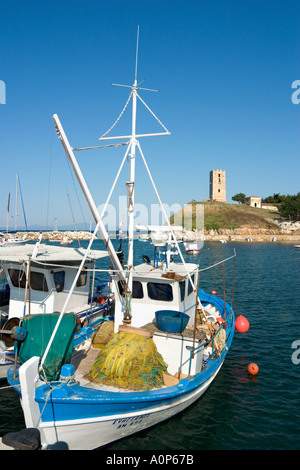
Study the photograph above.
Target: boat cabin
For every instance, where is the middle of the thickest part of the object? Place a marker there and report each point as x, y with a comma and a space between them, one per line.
156, 289
50, 275
159, 288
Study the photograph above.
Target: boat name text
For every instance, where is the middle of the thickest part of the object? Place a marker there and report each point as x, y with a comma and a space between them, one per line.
132, 421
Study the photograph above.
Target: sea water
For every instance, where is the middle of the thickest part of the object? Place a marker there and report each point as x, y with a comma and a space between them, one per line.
238, 411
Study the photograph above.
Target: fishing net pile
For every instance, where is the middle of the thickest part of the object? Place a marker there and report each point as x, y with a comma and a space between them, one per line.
129, 361
103, 335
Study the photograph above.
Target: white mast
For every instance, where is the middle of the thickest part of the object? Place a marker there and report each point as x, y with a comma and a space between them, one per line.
133, 143
131, 183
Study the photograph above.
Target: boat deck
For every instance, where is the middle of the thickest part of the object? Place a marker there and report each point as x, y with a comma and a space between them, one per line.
83, 361
85, 355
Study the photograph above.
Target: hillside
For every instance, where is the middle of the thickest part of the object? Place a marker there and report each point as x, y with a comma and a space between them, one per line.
223, 220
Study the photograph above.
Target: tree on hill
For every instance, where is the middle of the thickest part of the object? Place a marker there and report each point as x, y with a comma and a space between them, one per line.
240, 198
289, 208
277, 198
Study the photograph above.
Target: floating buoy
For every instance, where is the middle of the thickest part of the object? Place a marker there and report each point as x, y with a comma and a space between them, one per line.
253, 368
241, 324
213, 292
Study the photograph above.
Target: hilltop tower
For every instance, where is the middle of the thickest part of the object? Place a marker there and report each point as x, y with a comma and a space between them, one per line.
217, 185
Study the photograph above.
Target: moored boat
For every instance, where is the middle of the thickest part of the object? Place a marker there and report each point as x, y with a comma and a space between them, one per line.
152, 367
192, 248
38, 279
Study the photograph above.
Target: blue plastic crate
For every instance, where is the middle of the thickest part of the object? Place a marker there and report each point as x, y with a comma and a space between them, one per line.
171, 321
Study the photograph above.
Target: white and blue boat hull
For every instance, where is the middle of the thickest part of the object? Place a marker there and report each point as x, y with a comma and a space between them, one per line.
73, 416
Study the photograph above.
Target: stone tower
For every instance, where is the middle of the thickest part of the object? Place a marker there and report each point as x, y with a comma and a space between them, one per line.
217, 186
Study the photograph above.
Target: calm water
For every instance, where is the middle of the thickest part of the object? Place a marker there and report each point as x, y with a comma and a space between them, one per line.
237, 411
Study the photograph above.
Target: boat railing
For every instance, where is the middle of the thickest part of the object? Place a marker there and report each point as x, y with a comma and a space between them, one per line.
194, 351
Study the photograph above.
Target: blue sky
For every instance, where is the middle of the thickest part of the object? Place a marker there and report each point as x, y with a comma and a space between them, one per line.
224, 72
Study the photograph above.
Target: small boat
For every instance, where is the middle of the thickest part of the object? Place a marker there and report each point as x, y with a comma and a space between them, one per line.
66, 241
12, 241
192, 248
144, 374
15, 241
249, 239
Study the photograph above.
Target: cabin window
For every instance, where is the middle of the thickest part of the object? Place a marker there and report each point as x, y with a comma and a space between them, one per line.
81, 281
160, 291
38, 281
59, 280
182, 290
137, 289
17, 277
190, 287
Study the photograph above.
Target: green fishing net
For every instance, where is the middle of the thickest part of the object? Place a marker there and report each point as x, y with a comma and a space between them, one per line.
129, 361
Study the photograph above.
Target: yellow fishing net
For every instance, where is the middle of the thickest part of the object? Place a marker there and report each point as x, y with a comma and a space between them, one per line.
129, 361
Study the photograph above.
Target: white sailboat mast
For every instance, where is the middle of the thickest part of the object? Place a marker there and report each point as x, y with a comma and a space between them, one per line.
16, 212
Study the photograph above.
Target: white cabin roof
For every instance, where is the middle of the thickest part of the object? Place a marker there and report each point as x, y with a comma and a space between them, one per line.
48, 253
148, 271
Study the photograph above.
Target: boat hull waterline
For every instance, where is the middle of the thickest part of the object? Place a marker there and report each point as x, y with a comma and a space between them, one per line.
110, 429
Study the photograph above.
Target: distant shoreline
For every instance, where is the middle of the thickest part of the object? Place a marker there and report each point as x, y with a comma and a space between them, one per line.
256, 236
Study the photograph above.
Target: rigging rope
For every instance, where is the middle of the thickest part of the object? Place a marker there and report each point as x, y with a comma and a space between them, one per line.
117, 118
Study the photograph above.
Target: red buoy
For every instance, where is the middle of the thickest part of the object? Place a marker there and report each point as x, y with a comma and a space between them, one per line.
241, 324
213, 292
253, 368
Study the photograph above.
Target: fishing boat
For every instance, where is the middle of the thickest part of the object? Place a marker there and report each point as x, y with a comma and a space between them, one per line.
171, 338
38, 278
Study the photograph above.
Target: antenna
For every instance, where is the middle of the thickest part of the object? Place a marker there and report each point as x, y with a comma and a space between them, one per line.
136, 54
137, 86
133, 95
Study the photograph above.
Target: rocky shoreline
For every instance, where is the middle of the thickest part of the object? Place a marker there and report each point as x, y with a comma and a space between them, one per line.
284, 234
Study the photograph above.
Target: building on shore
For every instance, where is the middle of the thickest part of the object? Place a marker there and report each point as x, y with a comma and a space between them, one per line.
269, 206
217, 185
253, 201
